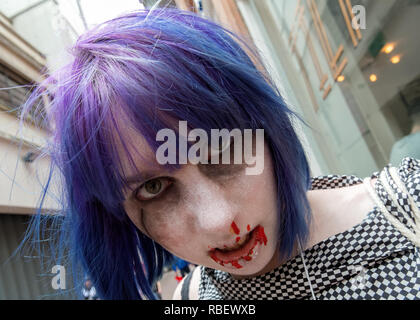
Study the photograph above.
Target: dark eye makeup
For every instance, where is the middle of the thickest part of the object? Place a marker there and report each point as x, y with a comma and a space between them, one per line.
153, 188
157, 187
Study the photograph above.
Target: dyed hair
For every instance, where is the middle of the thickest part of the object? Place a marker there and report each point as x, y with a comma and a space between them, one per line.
148, 67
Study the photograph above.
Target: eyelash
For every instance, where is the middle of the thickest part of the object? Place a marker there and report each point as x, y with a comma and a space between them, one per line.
168, 182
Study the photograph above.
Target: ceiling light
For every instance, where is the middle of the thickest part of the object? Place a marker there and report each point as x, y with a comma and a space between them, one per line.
396, 59
388, 48
373, 77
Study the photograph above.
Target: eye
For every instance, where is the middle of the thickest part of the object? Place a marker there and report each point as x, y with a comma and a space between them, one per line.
152, 188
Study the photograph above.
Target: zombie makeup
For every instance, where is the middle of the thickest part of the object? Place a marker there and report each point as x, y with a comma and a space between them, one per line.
245, 249
234, 228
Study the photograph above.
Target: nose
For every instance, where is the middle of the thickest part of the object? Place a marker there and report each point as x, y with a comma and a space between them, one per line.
210, 207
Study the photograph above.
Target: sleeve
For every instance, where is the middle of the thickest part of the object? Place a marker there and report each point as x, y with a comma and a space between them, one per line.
396, 194
409, 173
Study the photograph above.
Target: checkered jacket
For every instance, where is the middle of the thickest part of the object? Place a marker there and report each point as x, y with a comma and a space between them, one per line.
371, 260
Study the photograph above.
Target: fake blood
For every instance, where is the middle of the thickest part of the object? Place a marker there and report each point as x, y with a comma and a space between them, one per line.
235, 228
260, 237
236, 264
213, 256
222, 263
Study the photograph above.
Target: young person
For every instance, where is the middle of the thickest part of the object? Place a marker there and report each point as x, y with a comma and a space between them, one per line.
277, 234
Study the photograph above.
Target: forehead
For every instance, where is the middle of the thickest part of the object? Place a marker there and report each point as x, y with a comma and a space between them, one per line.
137, 158
134, 153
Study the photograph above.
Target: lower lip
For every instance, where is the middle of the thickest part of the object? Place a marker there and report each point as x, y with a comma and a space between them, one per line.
244, 253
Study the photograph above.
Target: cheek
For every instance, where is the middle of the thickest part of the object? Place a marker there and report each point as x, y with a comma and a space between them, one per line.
258, 191
168, 227
133, 213
164, 225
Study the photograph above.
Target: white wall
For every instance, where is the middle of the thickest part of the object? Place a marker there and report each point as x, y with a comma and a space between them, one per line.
20, 182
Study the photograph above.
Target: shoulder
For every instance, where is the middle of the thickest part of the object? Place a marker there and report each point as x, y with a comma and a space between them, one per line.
405, 178
399, 190
194, 283
409, 168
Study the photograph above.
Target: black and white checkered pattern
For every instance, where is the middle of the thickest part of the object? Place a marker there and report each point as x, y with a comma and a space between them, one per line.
372, 260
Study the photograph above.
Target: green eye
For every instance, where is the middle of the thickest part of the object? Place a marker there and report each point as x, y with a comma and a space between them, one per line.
152, 188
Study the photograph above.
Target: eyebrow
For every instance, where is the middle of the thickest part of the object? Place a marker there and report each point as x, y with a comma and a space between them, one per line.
145, 175
141, 177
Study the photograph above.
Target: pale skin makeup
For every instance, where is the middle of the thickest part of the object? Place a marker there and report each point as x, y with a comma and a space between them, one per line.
191, 211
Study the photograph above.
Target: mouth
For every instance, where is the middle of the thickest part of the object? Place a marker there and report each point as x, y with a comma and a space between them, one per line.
242, 251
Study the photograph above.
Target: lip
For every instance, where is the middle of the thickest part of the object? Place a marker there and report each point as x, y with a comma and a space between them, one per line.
244, 252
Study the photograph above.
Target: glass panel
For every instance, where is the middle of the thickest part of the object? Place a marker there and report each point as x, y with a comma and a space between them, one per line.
360, 66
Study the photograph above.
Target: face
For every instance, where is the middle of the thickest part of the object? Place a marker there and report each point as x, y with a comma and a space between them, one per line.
208, 214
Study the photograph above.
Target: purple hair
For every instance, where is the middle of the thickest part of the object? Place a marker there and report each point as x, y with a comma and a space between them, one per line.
149, 67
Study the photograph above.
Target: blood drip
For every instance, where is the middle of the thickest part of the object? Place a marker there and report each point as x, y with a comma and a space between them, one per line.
235, 228
213, 256
260, 236
236, 264
248, 228
222, 263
